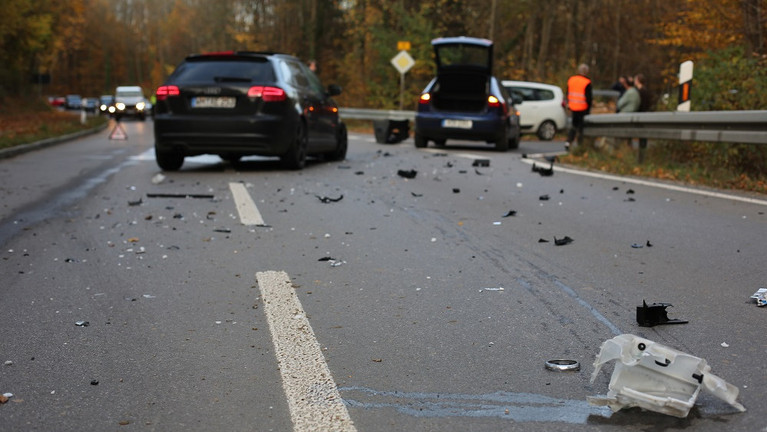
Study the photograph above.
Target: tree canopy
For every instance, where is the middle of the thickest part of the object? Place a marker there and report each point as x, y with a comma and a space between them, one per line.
91, 46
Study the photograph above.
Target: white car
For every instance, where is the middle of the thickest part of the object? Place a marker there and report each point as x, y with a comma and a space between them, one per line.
541, 107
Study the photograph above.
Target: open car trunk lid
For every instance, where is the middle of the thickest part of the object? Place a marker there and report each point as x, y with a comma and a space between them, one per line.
464, 68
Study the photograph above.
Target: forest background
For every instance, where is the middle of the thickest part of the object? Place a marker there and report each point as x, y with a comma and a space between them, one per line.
88, 47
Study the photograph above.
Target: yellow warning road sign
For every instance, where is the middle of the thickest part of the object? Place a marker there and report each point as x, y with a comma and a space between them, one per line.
118, 133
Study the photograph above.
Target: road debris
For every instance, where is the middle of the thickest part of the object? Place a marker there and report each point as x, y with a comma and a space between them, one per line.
408, 174
179, 195
542, 240
544, 197
328, 200
4, 397
332, 261
94, 382
760, 297
655, 314
135, 203
158, 178
510, 213
82, 323
544, 172
481, 163
655, 377
637, 246
563, 365
563, 241
456, 190
222, 230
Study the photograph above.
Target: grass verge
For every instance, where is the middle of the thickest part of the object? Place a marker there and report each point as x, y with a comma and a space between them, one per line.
24, 121
660, 162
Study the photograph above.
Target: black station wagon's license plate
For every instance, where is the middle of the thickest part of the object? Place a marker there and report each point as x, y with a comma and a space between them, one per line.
213, 102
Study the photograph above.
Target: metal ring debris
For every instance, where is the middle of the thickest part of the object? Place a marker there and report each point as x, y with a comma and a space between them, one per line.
562, 365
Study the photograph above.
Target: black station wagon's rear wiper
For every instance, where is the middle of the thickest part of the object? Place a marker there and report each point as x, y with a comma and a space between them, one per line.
231, 79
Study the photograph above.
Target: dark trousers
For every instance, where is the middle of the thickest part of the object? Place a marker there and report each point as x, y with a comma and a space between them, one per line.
577, 126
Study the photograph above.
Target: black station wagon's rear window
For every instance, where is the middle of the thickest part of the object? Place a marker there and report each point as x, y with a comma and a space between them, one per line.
222, 71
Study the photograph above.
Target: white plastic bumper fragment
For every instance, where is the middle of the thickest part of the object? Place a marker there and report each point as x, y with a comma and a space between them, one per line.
657, 378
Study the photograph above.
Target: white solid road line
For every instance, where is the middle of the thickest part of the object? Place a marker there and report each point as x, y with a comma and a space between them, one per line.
249, 214
631, 180
313, 398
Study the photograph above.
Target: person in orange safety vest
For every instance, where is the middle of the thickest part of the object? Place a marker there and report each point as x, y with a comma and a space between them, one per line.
578, 102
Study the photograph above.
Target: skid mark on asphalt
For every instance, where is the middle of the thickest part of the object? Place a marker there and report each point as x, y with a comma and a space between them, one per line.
518, 407
313, 398
249, 214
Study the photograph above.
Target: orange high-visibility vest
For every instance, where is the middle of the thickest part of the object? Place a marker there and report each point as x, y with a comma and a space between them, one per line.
576, 93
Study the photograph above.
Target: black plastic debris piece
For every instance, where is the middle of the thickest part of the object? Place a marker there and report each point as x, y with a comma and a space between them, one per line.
510, 213
561, 191
655, 314
456, 190
481, 163
343, 167
544, 197
615, 188
563, 241
630, 192
476, 171
408, 174
637, 246
648, 244
82, 323
179, 195
359, 173
94, 382
326, 258
327, 200
135, 203
629, 199
449, 164
544, 172
178, 216
70, 260
417, 195
542, 240
222, 230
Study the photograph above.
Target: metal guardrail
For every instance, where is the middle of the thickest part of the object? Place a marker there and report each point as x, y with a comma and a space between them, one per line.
748, 127
374, 114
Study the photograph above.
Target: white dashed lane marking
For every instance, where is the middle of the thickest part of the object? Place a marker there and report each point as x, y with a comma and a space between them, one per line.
249, 214
313, 398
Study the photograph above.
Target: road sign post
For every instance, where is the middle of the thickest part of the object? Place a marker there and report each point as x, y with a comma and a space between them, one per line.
685, 86
402, 62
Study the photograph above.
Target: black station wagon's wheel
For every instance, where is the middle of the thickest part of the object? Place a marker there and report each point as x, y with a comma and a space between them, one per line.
342, 144
169, 160
295, 158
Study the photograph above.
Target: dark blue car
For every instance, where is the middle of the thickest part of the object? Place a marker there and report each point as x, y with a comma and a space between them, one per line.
465, 101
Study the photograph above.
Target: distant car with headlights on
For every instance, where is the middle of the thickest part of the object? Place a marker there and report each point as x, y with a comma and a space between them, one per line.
130, 102
465, 101
105, 103
234, 104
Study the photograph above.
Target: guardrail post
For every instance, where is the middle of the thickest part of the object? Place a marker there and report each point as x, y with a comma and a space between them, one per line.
642, 148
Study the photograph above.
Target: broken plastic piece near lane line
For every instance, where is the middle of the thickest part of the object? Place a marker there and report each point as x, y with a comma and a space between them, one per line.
179, 195
655, 377
408, 174
327, 200
510, 213
563, 241
760, 297
563, 365
481, 163
655, 314
544, 172
82, 323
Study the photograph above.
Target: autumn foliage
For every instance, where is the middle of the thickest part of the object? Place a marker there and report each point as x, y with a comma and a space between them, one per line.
90, 46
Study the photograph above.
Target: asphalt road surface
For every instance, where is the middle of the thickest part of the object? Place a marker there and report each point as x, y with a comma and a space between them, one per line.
348, 297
